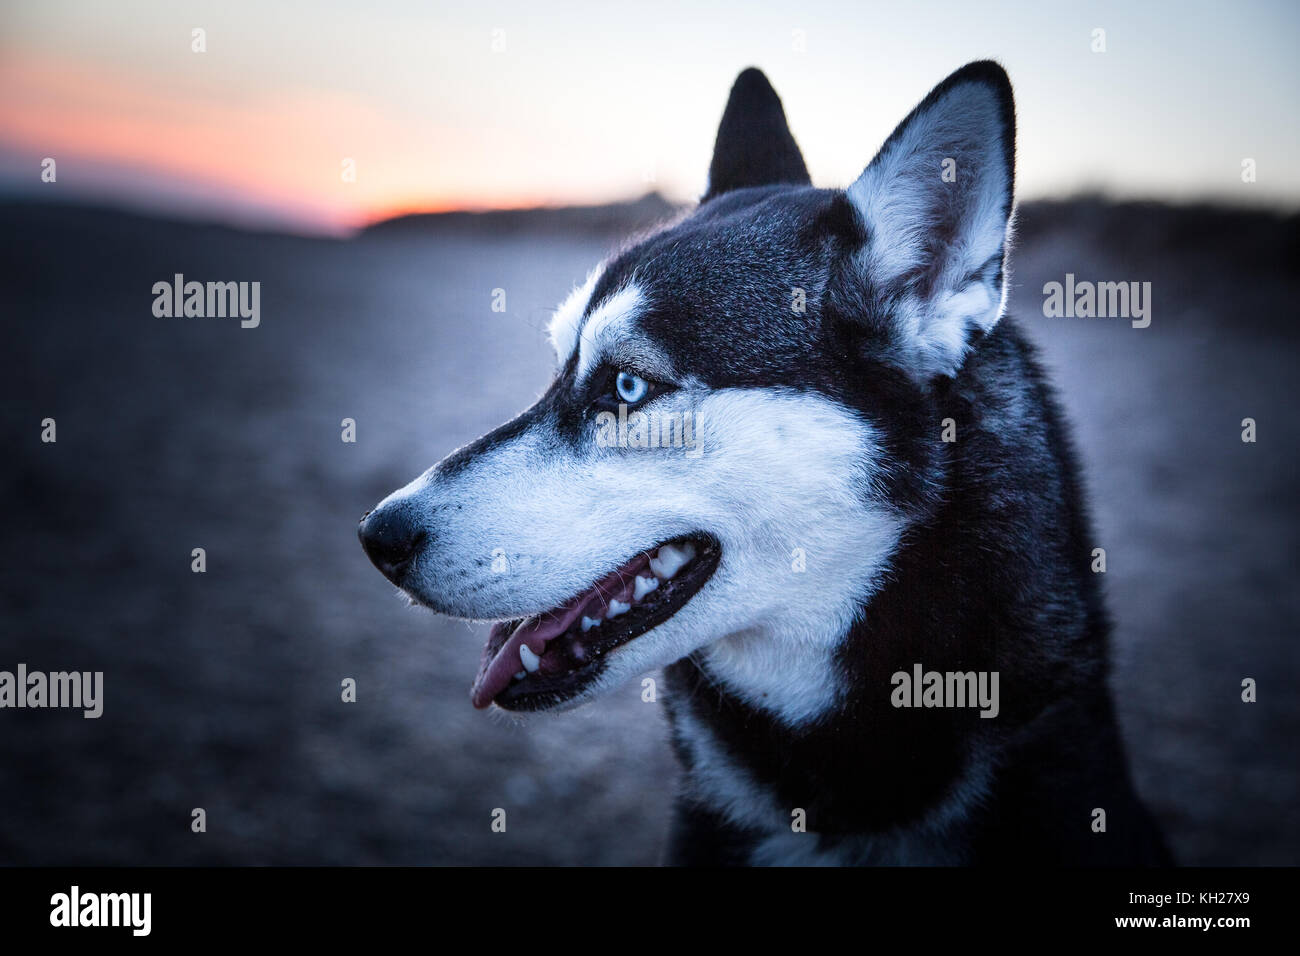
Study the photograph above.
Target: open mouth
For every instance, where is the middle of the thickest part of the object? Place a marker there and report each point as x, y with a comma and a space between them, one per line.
540, 661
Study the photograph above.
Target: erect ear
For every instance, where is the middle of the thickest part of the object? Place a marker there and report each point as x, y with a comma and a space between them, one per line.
754, 146
936, 207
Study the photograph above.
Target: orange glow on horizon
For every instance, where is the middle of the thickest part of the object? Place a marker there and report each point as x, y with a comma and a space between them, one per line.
283, 151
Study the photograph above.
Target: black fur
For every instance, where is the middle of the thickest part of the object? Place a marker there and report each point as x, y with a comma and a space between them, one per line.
754, 146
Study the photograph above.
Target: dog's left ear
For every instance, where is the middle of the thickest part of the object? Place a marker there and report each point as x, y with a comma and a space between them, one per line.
935, 205
754, 145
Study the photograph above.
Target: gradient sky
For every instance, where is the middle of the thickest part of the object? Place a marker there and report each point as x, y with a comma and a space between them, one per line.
592, 102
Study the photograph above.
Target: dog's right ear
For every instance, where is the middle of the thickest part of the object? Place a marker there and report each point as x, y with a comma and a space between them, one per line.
754, 145
934, 207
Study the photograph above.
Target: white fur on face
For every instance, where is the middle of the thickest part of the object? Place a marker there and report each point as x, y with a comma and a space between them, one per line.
780, 470
610, 322
903, 201
567, 320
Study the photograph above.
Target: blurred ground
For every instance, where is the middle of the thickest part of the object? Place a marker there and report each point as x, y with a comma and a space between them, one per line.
222, 689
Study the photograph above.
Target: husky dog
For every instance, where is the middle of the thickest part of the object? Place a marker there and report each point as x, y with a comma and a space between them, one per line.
879, 485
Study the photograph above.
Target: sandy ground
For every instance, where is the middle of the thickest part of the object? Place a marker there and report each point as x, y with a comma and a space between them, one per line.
222, 688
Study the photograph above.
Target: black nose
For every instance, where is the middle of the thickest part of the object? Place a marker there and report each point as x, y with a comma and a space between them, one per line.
390, 537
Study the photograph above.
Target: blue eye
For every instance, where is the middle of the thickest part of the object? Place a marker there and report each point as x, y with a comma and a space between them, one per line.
630, 388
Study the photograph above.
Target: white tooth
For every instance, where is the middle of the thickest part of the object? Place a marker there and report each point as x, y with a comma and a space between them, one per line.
530, 660
521, 675
588, 623
643, 586
616, 608
670, 559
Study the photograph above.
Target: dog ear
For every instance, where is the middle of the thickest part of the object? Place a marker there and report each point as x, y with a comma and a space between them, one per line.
754, 146
935, 205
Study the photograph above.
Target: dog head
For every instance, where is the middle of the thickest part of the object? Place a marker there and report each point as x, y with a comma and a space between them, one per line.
739, 433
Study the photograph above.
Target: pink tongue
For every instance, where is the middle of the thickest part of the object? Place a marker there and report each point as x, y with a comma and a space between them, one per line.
496, 675
535, 632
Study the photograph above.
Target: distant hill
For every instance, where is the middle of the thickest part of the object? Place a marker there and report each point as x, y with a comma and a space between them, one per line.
1249, 241
1208, 238
1256, 240
611, 219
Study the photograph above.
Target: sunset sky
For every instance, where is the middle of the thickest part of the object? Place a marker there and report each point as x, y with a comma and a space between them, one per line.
584, 103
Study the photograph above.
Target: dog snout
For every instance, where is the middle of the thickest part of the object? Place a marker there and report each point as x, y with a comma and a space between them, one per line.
391, 536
